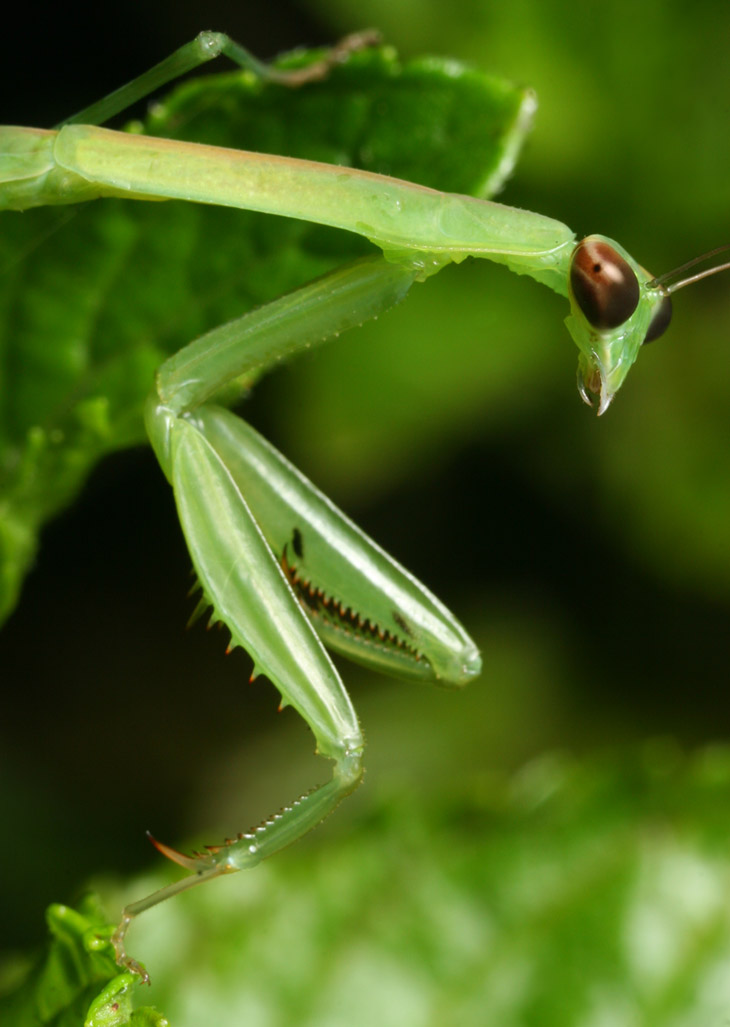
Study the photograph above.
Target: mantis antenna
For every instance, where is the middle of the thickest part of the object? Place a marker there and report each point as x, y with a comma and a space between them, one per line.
660, 282
663, 283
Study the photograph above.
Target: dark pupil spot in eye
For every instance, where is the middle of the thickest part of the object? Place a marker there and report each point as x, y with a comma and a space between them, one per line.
603, 284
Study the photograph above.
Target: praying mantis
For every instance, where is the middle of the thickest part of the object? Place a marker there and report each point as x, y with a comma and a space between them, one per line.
281, 567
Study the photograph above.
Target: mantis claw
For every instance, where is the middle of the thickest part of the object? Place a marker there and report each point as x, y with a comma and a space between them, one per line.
196, 862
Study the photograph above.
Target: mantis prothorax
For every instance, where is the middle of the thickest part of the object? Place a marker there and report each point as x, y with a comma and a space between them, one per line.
280, 566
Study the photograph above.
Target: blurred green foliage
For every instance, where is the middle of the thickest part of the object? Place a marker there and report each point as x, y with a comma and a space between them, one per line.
567, 893
591, 559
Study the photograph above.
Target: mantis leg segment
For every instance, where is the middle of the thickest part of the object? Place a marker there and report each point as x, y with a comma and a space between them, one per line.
342, 299
213, 461
240, 577
245, 851
248, 592
206, 47
361, 602
135, 908
244, 584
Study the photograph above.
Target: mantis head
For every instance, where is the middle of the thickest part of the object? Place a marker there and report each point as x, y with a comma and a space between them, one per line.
617, 307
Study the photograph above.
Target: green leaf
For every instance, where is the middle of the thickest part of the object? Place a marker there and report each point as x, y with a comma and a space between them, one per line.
92, 298
77, 981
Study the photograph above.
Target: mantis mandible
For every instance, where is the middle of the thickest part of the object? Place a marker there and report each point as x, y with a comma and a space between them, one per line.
281, 567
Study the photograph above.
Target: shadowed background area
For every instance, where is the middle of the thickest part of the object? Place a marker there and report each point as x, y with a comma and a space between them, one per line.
590, 559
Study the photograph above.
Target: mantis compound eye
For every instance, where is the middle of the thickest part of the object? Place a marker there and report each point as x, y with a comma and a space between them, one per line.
603, 284
660, 321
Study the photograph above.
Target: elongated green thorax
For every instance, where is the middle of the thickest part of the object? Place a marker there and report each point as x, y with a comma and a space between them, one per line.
410, 223
418, 228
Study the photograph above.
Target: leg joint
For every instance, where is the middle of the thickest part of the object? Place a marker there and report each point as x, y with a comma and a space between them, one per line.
349, 770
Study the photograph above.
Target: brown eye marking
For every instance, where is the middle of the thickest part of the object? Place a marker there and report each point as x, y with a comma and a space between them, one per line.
660, 321
603, 283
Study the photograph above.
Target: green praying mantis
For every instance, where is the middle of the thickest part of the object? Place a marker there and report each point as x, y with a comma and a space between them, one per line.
281, 567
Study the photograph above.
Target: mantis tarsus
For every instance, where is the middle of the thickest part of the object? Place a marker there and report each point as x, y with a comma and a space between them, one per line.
281, 567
